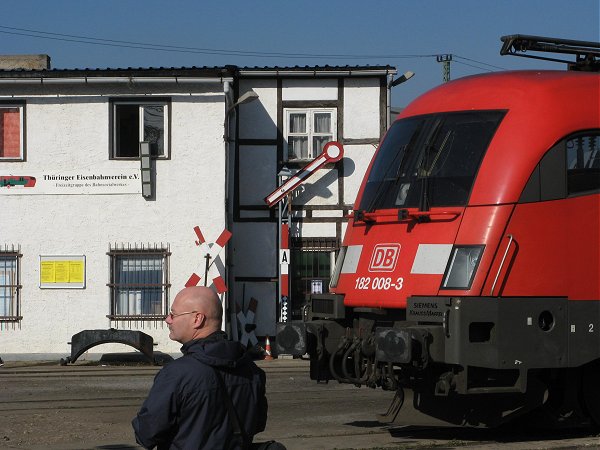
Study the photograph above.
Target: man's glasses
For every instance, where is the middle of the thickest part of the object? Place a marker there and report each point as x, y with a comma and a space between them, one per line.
173, 315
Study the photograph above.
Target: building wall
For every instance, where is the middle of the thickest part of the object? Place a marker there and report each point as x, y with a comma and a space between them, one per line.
320, 203
68, 128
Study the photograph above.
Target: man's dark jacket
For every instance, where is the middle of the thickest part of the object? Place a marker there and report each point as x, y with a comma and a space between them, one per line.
185, 408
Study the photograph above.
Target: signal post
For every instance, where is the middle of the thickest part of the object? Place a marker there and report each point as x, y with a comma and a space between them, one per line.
282, 196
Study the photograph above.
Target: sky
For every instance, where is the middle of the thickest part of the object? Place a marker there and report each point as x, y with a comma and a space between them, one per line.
405, 34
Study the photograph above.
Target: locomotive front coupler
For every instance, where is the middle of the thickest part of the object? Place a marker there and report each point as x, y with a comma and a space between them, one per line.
405, 344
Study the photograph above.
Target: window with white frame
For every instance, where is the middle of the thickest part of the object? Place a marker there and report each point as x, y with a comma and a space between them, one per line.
10, 306
307, 131
139, 283
135, 122
11, 132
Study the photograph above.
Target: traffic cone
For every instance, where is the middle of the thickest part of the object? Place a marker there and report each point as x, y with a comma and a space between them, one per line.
268, 354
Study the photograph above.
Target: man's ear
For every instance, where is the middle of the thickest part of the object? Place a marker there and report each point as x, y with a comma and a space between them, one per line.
200, 320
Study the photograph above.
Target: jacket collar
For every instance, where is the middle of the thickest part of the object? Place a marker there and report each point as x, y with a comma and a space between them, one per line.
213, 337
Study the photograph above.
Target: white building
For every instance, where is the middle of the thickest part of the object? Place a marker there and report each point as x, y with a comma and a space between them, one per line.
299, 110
90, 239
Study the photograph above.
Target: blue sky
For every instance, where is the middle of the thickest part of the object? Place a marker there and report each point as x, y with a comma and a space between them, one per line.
401, 33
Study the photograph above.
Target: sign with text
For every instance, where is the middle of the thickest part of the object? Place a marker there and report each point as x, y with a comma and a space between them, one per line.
72, 182
62, 272
384, 257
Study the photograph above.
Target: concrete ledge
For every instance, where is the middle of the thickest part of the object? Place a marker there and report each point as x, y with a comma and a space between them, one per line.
27, 62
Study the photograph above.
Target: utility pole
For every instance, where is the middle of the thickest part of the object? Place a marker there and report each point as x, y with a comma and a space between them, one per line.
445, 60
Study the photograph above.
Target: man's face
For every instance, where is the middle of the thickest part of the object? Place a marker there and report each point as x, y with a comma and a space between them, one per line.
181, 321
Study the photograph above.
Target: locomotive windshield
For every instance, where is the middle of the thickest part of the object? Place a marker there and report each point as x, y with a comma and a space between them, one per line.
429, 160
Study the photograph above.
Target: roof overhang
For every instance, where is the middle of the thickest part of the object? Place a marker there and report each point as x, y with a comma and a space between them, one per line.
318, 72
97, 80
145, 76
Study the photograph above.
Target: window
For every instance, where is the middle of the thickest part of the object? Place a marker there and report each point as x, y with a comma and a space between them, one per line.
312, 262
10, 307
11, 132
583, 163
307, 131
135, 122
139, 283
429, 160
579, 156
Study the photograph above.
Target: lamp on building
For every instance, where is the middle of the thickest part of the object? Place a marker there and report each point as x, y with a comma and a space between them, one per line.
246, 97
401, 79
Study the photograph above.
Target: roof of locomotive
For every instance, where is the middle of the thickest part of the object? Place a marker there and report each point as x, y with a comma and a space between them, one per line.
542, 107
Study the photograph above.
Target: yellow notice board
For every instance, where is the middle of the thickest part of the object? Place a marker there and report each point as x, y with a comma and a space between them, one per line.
62, 271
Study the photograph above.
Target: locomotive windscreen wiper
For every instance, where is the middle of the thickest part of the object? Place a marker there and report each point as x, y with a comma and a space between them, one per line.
426, 169
383, 187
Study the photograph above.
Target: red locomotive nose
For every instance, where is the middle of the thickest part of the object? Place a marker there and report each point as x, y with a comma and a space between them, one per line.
470, 263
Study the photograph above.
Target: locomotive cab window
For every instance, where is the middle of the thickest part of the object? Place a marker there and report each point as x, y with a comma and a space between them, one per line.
583, 163
571, 167
429, 160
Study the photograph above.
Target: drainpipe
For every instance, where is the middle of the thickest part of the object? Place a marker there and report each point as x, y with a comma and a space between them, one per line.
228, 325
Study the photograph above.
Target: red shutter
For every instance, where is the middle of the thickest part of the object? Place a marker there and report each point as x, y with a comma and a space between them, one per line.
10, 133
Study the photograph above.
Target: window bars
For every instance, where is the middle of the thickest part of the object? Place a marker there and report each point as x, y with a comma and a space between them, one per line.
139, 282
10, 286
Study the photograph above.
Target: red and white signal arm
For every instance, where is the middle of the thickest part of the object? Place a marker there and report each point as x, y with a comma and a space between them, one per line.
332, 152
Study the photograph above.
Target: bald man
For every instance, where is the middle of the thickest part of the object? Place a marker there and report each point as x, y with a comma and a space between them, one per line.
186, 408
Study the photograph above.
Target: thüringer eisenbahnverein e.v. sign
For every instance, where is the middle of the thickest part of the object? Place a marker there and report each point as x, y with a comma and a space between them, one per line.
72, 182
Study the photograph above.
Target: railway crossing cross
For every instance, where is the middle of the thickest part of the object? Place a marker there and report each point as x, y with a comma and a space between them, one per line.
247, 325
210, 254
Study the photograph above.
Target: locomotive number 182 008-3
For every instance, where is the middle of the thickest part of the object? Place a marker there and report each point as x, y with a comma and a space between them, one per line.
379, 283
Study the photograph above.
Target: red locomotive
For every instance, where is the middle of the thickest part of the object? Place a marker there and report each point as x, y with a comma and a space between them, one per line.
469, 273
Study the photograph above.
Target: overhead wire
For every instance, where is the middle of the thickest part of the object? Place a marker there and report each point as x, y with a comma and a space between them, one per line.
164, 47
209, 51
479, 62
472, 65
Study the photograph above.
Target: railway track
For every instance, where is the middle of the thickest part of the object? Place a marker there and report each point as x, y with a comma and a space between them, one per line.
90, 407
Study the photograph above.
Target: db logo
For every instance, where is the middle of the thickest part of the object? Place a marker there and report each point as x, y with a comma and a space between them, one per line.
385, 257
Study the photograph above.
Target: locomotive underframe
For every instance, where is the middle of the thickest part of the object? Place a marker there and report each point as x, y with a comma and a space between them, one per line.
467, 360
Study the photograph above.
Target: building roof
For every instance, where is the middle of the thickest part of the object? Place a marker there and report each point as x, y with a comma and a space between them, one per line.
206, 72
120, 72
316, 71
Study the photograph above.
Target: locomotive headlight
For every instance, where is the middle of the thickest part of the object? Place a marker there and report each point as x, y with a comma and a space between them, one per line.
462, 266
